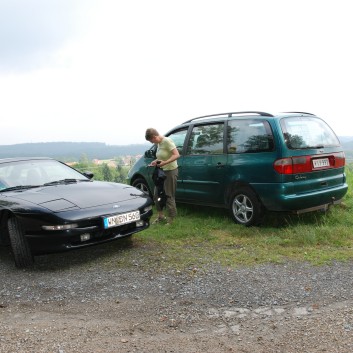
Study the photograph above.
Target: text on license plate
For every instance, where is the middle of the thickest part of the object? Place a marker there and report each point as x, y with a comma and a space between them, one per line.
120, 219
319, 163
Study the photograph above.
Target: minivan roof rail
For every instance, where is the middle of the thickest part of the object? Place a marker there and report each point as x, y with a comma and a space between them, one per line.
229, 115
298, 113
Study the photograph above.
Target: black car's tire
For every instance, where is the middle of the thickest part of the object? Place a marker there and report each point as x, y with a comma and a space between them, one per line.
246, 208
20, 248
142, 185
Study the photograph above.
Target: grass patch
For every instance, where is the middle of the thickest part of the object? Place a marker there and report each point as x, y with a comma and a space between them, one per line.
202, 235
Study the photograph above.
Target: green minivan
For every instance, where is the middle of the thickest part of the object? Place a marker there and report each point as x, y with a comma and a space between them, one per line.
250, 162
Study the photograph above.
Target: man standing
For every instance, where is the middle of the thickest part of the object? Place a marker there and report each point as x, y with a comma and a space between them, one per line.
167, 155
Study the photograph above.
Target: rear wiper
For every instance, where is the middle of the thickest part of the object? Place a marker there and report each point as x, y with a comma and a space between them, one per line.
20, 187
311, 147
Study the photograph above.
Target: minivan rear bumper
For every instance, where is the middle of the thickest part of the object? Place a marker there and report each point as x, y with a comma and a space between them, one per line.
275, 198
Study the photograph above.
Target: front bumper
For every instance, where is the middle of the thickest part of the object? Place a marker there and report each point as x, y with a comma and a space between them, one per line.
59, 241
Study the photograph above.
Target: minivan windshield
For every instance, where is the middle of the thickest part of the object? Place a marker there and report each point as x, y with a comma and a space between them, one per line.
307, 132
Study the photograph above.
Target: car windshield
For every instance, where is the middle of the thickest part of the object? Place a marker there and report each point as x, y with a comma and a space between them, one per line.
20, 175
307, 132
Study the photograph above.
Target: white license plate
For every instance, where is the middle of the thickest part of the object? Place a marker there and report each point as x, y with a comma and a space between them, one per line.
320, 163
119, 219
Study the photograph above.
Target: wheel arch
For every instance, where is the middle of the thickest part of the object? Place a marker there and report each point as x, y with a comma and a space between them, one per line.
235, 186
137, 176
4, 233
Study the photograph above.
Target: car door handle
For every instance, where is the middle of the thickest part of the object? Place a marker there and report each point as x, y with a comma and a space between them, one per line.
220, 165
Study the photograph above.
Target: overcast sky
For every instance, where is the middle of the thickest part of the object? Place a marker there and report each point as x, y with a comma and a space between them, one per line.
105, 70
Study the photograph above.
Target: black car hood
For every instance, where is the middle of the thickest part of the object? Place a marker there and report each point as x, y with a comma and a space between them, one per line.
83, 195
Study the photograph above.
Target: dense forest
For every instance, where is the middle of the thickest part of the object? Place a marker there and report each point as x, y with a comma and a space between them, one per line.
71, 151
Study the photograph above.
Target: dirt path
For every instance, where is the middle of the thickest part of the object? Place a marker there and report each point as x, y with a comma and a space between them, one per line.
160, 326
65, 305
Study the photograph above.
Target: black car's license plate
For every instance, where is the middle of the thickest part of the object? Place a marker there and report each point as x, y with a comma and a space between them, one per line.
119, 219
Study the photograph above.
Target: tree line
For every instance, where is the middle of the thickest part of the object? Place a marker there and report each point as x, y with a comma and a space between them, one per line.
71, 151
103, 171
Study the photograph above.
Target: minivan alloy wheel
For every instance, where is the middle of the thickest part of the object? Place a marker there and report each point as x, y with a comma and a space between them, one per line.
245, 207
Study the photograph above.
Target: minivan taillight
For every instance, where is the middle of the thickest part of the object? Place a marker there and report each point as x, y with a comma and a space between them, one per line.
340, 159
305, 164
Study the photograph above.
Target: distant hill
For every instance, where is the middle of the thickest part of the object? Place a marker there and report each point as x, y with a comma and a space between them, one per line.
73, 151
67, 151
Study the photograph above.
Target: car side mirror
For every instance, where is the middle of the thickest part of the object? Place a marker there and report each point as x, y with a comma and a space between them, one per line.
150, 153
89, 175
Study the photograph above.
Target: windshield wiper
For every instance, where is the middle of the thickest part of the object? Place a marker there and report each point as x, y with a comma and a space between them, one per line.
64, 181
20, 187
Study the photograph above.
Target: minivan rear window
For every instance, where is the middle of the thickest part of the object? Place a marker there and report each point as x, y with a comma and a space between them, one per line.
307, 132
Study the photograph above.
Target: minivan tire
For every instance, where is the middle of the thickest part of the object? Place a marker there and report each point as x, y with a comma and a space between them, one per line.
142, 185
245, 207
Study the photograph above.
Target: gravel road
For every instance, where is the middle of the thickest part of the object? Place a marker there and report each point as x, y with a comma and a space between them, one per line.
71, 303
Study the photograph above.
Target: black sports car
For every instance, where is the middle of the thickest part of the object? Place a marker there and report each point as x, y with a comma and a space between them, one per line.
47, 206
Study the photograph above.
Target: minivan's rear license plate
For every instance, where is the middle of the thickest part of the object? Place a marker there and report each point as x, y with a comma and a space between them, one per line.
320, 163
120, 219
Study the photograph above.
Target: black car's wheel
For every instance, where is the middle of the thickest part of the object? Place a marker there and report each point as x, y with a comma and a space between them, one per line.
20, 248
245, 207
142, 185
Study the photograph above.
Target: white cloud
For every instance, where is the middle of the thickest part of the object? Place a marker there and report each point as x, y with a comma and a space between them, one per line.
119, 67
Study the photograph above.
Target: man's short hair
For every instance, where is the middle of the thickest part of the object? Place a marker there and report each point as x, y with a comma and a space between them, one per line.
150, 133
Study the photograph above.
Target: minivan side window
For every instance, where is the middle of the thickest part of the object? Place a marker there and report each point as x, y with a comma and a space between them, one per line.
178, 138
206, 139
249, 136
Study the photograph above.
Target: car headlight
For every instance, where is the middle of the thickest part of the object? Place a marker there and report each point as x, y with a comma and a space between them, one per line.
61, 227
